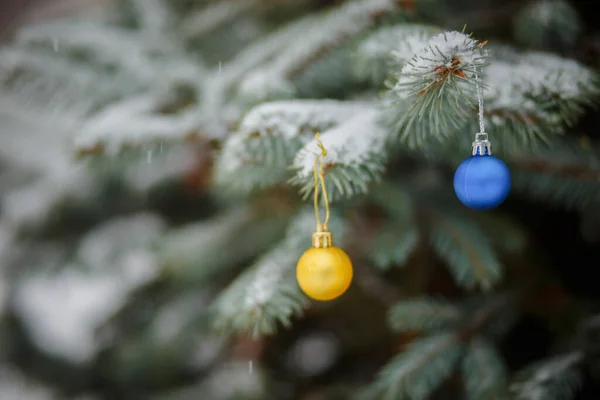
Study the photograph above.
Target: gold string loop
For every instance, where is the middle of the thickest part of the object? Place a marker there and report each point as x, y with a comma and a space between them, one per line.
319, 176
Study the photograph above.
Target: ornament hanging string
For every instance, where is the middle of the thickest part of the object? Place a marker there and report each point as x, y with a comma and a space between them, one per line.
481, 145
482, 181
324, 272
480, 103
319, 176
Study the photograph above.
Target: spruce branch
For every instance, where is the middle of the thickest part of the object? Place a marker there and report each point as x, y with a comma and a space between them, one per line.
328, 31
539, 94
484, 372
416, 372
38, 80
149, 60
528, 96
454, 333
435, 88
264, 296
424, 314
467, 251
557, 378
355, 156
259, 153
267, 294
566, 87
133, 123
220, 82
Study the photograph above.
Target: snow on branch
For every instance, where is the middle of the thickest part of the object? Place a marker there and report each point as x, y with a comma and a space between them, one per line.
328, 30
148, 59
264, 296
557, 378
289, 119
563, 87
41, 80
527, 96
106, 45
355, 155
270, 135
390, 46
537, 95
434, 92
133, 123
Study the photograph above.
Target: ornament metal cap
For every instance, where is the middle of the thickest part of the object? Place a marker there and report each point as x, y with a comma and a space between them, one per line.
322, 238
481, 145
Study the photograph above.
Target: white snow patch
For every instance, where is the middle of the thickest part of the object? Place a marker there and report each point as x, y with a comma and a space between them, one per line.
296, 117
134, 122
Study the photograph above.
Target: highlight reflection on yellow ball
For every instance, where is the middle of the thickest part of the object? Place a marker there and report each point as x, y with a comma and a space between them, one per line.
324, 273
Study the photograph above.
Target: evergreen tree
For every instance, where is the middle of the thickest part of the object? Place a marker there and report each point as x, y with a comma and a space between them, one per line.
157, 166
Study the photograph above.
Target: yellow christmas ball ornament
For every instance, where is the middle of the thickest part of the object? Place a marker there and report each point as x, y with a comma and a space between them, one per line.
324, 272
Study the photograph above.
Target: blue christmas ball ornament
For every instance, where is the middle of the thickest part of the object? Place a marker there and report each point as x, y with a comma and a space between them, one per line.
482, 182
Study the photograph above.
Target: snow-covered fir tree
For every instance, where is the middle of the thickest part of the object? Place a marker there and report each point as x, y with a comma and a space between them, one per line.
155, 174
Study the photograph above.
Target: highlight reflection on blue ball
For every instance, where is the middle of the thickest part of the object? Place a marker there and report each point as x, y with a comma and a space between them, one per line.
482, 182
